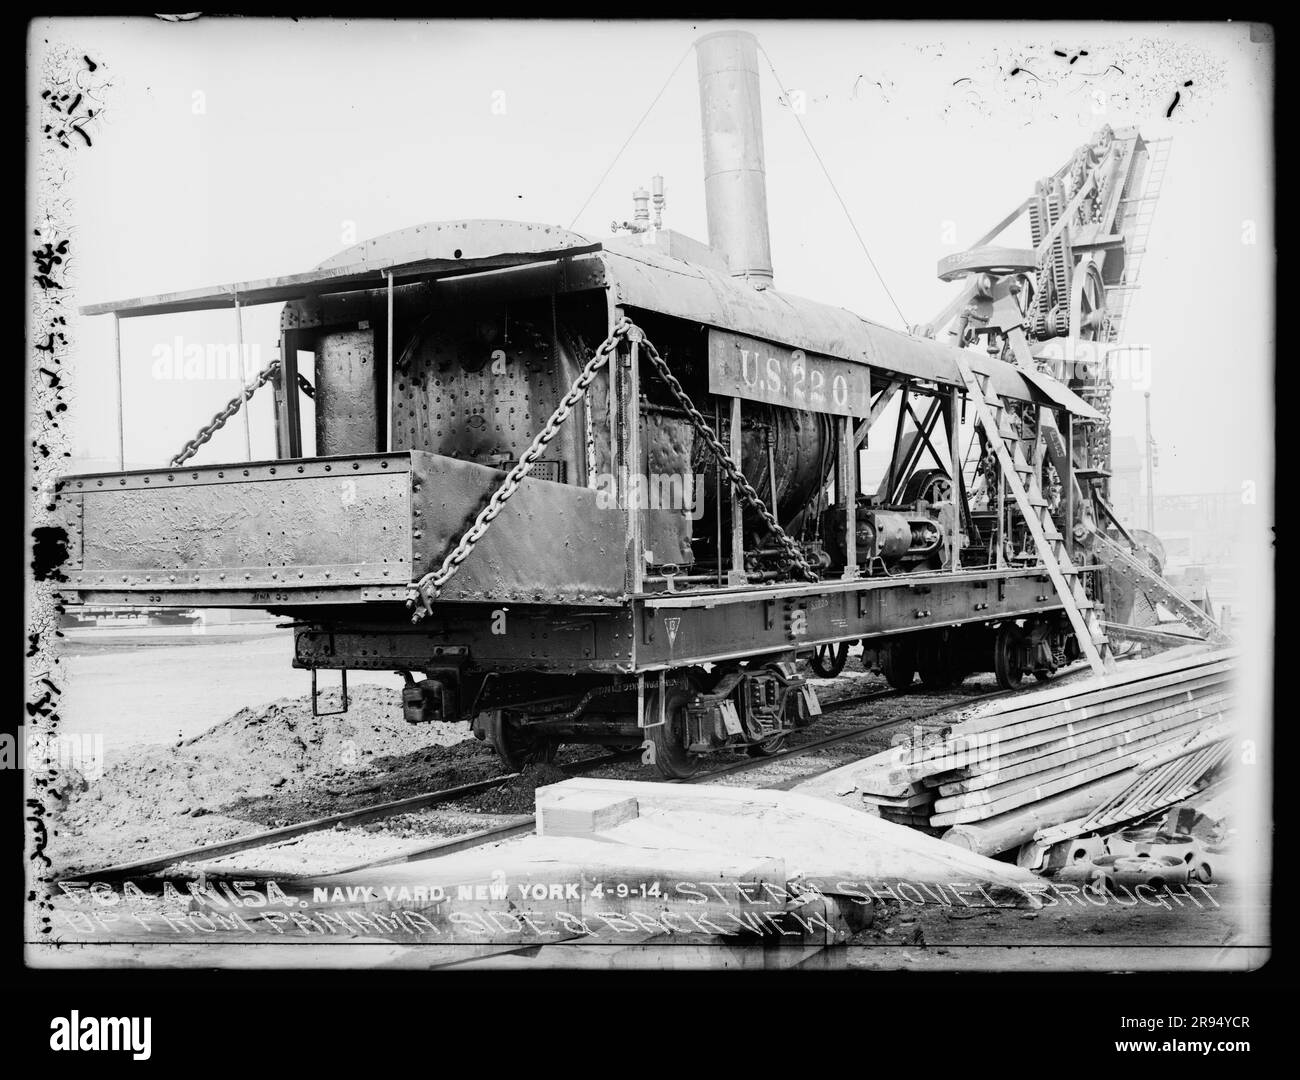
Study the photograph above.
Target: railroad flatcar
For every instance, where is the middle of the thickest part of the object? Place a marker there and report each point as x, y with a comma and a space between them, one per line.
610, 491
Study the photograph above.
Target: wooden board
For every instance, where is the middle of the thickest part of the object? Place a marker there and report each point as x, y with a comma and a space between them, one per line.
922, 798
537, 889
1052, 717
1000, 770
962, 747
818, 840
1009, 830
581, 813
1088, 768
1095, 691
1079, 740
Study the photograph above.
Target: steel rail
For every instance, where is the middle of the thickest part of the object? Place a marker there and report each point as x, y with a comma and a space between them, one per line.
527, 823
524, 823
270, 837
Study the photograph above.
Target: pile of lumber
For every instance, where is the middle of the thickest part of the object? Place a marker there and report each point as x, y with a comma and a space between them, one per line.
1033, 761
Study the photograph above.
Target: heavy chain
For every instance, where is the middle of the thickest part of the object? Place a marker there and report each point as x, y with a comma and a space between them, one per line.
421, 594
731, 468
231, 408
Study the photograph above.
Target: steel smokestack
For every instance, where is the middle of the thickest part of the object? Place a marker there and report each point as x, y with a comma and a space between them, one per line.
735, 180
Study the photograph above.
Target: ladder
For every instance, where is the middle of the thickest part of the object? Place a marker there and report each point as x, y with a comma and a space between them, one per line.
1023, 483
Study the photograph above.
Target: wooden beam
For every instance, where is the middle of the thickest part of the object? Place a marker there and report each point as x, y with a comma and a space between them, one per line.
737, 575
878, 406
1006, 831
848, 475
827, 841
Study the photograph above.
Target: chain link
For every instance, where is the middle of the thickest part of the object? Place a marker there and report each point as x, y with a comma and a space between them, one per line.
231, 408
421, 594
730, 467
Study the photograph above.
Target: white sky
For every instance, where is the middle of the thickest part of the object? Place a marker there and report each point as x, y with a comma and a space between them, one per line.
309, 126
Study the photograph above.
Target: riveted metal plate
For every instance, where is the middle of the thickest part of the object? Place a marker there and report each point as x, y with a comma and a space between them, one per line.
279, 527
553, 543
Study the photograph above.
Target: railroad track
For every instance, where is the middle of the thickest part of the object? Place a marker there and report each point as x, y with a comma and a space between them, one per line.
522, 823
270, 837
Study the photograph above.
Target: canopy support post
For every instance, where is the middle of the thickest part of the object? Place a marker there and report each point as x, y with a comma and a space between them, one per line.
240, 375
121, 421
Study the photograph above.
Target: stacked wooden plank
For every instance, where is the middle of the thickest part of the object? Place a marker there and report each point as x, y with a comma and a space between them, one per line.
1035, 760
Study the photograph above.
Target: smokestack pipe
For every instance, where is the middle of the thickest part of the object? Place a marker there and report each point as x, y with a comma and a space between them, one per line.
735, 181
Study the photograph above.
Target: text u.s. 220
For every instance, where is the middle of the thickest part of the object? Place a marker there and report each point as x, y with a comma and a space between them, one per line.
757, 370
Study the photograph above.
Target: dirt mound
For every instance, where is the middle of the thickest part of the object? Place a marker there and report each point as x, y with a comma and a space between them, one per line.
263, 767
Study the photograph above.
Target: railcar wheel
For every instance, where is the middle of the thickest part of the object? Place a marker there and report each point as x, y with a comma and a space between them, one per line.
934, 663
898, 665
516, 746
672, 758
829, 660
1006, 665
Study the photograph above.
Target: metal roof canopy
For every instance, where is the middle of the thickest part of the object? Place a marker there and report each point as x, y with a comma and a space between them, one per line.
663, 284
642, 279
442, 249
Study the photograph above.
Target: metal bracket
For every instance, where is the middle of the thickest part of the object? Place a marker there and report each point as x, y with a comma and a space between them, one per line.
315, 702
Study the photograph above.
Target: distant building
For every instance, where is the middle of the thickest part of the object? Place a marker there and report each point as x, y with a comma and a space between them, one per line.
1126, 492
1200, 528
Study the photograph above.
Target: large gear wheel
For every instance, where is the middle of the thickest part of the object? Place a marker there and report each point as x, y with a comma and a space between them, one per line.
1088, 321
